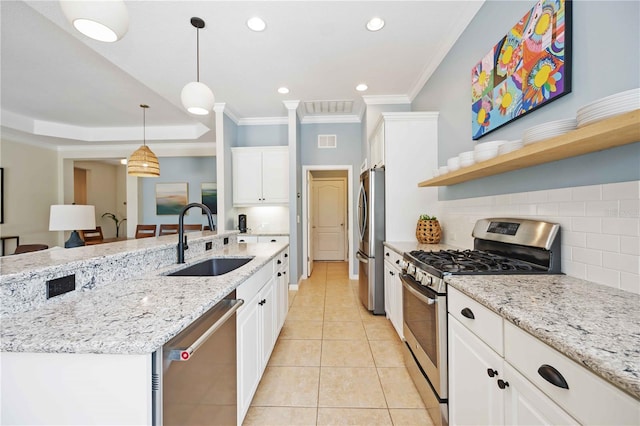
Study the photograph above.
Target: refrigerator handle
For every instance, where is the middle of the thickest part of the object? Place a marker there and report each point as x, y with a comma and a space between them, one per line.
363, 220
362, 258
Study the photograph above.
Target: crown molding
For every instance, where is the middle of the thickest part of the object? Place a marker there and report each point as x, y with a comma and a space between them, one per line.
386, 99
262, 121
188, 149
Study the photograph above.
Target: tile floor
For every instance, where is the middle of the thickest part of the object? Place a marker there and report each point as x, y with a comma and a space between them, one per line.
335, 363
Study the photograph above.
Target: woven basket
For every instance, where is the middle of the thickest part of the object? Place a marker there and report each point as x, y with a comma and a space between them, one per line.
428, 231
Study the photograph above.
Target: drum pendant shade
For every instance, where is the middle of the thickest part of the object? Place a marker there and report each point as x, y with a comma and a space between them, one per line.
143, 162
197, 97
102, 20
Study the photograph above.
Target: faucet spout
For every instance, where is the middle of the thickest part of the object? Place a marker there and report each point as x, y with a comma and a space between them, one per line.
181, 239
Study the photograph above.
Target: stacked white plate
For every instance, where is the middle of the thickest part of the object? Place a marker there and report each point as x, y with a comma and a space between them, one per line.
548, 130
609, 106
443, 170
453, 164
486, 150
510, 146
467, 158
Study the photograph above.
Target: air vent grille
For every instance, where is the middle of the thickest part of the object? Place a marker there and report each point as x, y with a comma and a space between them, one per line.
327, 141
328, 107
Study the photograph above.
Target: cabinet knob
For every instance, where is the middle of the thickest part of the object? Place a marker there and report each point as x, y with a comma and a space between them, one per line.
262, 302
502, 384
279, 274
286, 255
386, 254
279, 261
391, 273
397, 261
491, 372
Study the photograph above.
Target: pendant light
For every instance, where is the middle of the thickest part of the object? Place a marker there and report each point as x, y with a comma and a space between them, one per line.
143, 162
197, 98
102, 20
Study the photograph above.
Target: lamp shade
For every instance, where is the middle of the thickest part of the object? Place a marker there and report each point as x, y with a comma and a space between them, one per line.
71, 217
102, 20
197, 98
143, 163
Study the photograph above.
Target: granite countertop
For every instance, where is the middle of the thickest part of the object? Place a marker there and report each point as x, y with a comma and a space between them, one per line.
595, 325
132, 316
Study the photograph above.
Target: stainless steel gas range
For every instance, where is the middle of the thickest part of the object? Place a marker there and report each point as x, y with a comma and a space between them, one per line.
501, 246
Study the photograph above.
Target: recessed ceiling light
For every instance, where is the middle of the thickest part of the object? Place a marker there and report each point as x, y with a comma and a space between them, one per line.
256, 24
375, 24
361, 87
283, 90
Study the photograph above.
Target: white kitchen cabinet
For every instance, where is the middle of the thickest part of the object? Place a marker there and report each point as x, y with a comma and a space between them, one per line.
474, 397
260, 175
518, 394
282, 277
393, 289
406, 144
273, 239
259, 322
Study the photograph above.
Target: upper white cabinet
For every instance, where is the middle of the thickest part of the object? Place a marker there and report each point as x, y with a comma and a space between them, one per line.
260, 175
406, 144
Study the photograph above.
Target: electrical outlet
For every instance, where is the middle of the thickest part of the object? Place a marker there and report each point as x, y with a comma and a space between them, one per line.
208, 245
61, 285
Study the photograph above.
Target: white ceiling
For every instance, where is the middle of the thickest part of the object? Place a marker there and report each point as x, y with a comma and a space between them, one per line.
57, 86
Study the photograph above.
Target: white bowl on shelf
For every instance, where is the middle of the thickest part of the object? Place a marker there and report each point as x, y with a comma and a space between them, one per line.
435, 173
486, 154
453, 164
443, 170
467, 158
489, 146
510, 146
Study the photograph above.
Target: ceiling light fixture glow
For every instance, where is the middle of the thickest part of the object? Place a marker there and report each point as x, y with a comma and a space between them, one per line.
196, 97
256, 24
283, 90
105, 20
375, 24
361, 87
143, 162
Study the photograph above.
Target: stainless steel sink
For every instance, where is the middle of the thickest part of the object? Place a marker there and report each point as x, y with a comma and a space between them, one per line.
212, 267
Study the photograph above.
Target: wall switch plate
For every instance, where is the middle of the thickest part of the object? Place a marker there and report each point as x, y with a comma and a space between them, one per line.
61, 285
208, 245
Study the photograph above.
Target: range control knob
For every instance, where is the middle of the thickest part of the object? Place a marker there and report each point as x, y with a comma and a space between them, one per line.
427, 280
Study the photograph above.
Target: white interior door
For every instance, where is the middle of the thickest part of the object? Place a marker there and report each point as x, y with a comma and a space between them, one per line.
329, 216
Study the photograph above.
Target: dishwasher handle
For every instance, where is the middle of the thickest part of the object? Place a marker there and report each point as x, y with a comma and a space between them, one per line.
184, 354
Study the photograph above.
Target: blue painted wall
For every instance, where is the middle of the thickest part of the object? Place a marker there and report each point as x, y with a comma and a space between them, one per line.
267, 135
193, 170
606, 43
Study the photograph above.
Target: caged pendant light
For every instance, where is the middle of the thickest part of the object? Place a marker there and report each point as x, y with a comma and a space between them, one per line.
102, 20
197, 98
143, 162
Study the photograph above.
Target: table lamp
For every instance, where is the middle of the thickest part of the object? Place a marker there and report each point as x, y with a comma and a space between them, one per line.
71, 217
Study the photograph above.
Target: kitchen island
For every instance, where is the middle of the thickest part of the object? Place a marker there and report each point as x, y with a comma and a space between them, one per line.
76, 357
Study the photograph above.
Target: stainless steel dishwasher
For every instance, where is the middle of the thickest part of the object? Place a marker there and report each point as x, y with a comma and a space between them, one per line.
194, 374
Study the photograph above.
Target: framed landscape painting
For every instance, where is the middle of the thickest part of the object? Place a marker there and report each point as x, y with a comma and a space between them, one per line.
171, 198
210, 196
528, 68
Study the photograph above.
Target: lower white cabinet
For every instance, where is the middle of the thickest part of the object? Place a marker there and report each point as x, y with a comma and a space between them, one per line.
263, 239
247, 238
259, 322
393, 290
282, 283
497, 376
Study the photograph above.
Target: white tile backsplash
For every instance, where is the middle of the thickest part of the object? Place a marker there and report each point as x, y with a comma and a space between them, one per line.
600, 227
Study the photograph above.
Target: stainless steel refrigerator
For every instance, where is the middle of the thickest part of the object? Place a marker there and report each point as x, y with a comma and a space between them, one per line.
371, 234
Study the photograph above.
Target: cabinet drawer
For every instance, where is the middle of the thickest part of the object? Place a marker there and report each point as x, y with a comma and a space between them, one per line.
248, 289
282, 260
484, 323
273, 239
393, 257
589, 399
247, 239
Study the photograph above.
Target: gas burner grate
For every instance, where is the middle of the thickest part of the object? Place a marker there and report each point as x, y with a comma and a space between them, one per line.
473, 262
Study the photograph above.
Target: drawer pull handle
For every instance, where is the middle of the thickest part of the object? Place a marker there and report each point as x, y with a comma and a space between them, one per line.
466, 312
502, 384
279, 262
279, 274
397, 261
391, 273
491, 372
386, 254
552, 376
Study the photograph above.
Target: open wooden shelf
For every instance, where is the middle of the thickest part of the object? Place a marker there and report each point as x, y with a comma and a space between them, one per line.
610, 133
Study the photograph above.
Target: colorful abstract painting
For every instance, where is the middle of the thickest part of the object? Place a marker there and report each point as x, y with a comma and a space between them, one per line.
528, 68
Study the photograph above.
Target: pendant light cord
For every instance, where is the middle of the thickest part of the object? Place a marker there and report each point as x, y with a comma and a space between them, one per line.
198, 54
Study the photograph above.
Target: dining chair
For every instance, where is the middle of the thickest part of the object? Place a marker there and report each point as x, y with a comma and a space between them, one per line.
168, 229
26, 248
208, 228
192, 227
92, 236
145, 231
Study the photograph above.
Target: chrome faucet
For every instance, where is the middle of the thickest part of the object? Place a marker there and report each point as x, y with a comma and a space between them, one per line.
182, 239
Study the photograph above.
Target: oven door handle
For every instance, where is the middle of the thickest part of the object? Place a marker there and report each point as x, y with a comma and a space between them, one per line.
416, 293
